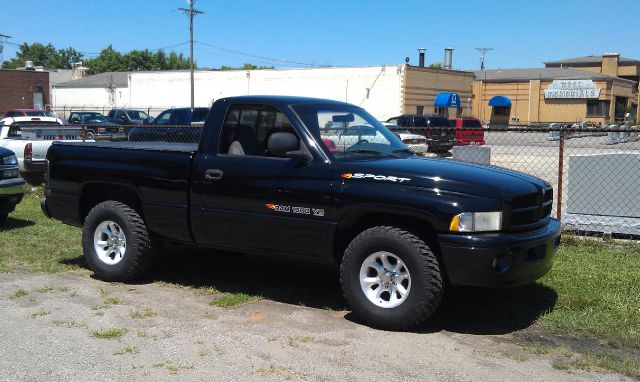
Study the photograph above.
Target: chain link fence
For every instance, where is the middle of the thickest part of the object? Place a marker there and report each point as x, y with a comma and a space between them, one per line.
594, 172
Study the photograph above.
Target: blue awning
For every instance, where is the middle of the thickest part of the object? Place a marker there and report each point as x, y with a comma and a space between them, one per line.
500, 101
447, 100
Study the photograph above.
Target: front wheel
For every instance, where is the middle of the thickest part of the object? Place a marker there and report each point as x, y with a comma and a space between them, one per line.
390, 278
116, 243
3, 218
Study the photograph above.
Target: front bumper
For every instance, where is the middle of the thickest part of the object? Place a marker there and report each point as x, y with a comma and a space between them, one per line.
499, 259
11, 193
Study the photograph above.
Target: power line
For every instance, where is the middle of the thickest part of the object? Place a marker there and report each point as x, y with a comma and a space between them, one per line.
191, 12
482, 51
278, 60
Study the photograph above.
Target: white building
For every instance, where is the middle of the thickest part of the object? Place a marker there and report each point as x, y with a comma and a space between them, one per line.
385, 91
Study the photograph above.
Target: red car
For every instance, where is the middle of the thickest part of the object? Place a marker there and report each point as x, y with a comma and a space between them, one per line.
473, 137
27, 113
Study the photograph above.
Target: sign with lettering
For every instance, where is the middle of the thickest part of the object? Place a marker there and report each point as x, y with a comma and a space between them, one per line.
577, 89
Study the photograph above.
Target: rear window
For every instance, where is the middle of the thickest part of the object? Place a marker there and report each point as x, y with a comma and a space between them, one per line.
437, 122
39, 113
471, 123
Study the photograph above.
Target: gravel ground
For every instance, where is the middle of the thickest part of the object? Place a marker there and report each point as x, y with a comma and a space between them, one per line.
47, 334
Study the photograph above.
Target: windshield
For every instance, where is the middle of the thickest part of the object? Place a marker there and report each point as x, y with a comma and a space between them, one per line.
349, 132
135, 114
39, 113
92, 118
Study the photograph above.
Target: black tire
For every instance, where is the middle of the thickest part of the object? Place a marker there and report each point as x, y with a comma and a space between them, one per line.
90, 135
426, 289
137, 257
3, 218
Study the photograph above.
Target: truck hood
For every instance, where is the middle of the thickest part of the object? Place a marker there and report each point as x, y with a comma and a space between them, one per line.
443, 175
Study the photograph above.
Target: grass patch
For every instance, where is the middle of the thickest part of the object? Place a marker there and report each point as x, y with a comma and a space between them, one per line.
598, 288
109, 333
44, 289
230, 300
129, 349
30, 241
40, 313
143, 334
205, 291
600, 361
137, 314
69, 324
18, 293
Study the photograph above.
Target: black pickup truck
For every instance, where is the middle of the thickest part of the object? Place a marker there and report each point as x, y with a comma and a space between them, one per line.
264, 179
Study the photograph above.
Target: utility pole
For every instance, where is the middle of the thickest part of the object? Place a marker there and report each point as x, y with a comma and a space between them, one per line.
482, 51
191, 12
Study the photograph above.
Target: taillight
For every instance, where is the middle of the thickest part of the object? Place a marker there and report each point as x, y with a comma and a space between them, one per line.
28, 151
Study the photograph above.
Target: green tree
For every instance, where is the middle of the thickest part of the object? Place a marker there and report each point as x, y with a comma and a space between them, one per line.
245, 67
45, 55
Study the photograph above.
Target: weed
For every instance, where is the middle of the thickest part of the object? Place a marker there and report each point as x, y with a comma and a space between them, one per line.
18, 293
233, 299
40, 313
129, 349
110, 333
136, 314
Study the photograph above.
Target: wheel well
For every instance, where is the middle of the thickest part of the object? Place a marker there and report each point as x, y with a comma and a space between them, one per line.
96, 193
350, 228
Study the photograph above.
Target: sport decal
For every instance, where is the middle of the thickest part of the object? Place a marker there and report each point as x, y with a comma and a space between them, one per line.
358, 175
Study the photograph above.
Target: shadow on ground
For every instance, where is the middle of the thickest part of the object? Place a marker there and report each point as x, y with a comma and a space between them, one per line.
13, 223
463, 310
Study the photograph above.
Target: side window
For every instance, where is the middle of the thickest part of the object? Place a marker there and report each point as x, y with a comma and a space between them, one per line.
14, 132
11, 114
246, 129
164, 118
180, 117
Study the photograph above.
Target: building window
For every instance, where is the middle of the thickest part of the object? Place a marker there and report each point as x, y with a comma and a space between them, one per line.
420, 110
597, 108
440, 110
503, 111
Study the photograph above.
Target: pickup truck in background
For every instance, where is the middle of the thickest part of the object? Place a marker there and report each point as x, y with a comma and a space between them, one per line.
399, 226
30, 138
11, 185
468, 131
436, 129
96, 125
163, 127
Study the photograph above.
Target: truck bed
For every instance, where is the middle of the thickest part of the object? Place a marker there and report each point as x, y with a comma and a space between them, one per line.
147, 146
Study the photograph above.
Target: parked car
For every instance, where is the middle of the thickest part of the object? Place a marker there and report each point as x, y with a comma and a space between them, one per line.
182, 116
128, 117
415, 142
28, 113
30, 138
11, 185
437, 129
261, 181
96, 125
473, 135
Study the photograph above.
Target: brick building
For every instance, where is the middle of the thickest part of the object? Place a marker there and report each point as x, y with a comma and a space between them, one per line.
23, 89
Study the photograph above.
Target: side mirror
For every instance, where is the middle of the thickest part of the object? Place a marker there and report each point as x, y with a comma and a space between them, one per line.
286, 145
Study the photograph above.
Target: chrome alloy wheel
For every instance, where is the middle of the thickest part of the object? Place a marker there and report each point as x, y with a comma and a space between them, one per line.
109, 242
385, 279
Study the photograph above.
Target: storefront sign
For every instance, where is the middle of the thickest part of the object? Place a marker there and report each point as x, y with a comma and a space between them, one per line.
578, 89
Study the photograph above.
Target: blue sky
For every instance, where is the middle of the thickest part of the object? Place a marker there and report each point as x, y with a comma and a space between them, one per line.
300, 33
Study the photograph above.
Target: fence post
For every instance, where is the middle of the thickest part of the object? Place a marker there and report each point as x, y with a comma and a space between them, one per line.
560, 175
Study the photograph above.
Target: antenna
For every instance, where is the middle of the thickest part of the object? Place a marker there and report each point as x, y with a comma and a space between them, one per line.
191, 12
482, 51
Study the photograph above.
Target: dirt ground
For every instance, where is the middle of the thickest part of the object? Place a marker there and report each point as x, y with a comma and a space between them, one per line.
165, 329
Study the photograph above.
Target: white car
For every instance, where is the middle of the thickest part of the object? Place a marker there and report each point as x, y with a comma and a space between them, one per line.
30, 138
416, 142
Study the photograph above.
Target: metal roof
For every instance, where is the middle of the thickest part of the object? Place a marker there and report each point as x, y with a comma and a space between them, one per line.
545, 74
585, 60
120, 80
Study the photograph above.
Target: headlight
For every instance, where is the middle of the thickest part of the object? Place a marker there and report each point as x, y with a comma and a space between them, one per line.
11, 160
476, 222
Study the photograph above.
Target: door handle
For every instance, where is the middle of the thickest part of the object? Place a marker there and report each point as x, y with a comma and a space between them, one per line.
213, 174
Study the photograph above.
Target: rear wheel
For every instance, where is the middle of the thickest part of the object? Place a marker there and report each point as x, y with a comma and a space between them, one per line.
116, 243
390, 278
3, 218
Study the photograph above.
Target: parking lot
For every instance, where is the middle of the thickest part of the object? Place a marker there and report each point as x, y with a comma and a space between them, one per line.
71, 327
